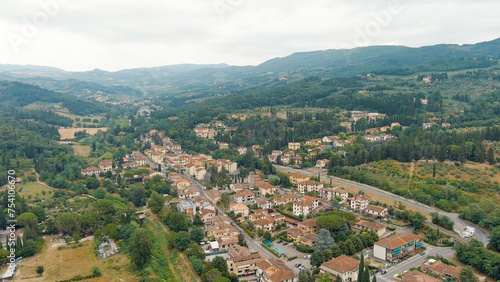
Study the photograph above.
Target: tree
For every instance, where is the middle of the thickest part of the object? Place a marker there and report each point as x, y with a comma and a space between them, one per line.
177, 222
76, 237
220, 263
182, 240
467, 275
211, 275
241, 240
195, 250
156, 202
417, 219
140, 247
306, 276
491, 156
92, 183
495, 238
374, 279
324, 240
330, 222
326, 278
317, 258
224, 199
39, 270
361, 268
100, 193
267, 236
137, 196
39, 212
197, 234
27, 219
197, 220
222, 279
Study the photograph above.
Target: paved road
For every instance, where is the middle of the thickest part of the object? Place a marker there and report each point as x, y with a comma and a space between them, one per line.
414, 261
253, 245
460, 224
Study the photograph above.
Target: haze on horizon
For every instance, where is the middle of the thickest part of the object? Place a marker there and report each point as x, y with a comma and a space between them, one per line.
114, 35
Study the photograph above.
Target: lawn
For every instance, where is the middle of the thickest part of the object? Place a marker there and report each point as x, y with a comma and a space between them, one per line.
69, 262
34, 190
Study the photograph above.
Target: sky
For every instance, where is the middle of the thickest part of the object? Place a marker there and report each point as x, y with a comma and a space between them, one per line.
113, 35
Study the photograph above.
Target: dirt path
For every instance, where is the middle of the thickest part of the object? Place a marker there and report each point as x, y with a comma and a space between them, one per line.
57, 189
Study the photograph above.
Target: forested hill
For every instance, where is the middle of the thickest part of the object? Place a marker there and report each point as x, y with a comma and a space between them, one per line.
211, 80
17, 94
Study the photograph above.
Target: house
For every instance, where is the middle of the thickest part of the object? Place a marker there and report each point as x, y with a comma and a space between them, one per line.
330, 139
384, 128
182, 183
440, 268
309, 225
213, 195
223, 146
244, 196
314, 142
296, 178
314, 200
238, 208
91, 170
371, 130
338, 143
130, 165
396, 247
329, 194
263, 203
266, 224
285, 199
322, 163
228, 165
446, 124
295, 233
308, 240
187, 207
200, 173
226, 243
394, 124
277, 153
106, 165
309, 186
378, 228
293, 146
359, 202
371, 138
376, 211
274, 270
415, 276
266, 188
303, 207
237, 187
386, 137
242, 150
344, 266
428, 125
207, 216
241, 260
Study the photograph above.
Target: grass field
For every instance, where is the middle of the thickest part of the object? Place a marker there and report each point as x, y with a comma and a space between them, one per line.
81, 150
68, 262
34, 190
69, 133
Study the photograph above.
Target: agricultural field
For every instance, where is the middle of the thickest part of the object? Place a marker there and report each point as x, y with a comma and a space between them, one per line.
469, 171
69, 133
34, 191
81, 150
61, 262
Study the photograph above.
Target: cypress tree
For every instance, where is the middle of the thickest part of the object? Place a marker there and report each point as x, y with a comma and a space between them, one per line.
361, 268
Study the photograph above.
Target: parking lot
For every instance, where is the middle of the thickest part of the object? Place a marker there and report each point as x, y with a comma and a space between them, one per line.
290, 251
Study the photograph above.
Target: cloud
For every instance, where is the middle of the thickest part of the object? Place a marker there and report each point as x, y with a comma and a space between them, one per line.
112, 35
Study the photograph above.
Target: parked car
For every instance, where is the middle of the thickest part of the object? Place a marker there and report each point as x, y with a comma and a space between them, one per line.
307, 257
383, 272
303, 267
313, 267
298, 265
279, 241
422, 253
284, 244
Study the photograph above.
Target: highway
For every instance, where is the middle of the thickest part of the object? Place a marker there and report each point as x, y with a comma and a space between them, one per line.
460, 224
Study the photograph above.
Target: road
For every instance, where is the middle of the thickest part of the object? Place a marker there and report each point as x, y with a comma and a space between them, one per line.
252, 244
414, 261
460, 224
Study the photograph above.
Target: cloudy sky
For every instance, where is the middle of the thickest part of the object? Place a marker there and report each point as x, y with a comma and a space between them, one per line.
113, 35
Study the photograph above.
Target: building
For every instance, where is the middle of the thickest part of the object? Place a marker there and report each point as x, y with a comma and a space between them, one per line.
376, 211
213, 196
263, 203
309, 225
440, 268
242, 150
187, 207
207, 216
244, 196
241, 261
344, 266
397, 247
416, 276
322, 163
296, 178
303, 207
91, 170
359, 202
274, 270
266, 224
106, 165
378, 228
266, 188
238, 208
293, 146
309, 186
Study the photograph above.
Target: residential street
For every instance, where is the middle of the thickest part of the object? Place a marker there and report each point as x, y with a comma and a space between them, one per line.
460, 224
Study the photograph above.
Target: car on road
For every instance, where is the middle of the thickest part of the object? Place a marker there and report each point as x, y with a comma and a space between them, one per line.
307, 257
422, 253
383, 272
298, 265
284, 244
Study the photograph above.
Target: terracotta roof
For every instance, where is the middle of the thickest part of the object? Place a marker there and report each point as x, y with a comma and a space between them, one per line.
398, 241
90, 169
342, 264
295, 231
309, 198
443, 268
377, 209
309, 222
244, 193
239, 207
371, 225
417, 276
264, 221
303, 203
